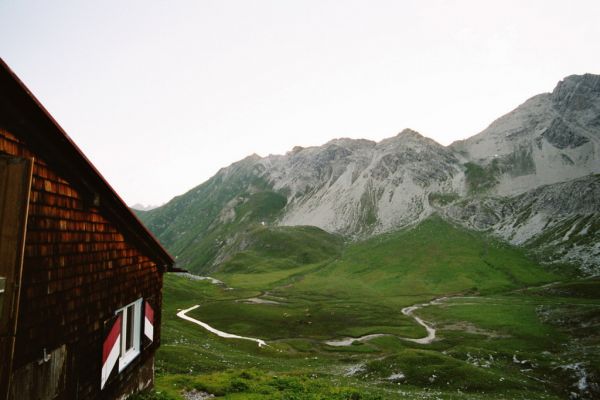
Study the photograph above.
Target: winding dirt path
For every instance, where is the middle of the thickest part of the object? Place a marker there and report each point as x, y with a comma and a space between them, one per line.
408, 311
348, 341
182, 314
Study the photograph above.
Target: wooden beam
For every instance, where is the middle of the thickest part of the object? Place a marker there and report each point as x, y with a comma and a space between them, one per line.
15, 187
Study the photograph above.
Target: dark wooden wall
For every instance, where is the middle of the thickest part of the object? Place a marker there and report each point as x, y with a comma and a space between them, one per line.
15, 187
78, 269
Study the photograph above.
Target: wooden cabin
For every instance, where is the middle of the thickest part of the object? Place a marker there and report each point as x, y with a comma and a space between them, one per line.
80, 276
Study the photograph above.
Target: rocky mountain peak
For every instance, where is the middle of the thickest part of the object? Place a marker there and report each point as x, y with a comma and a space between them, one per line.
542, 156
586, 83
295, 150
409, 132
406, 135
253, 157
407, 138
575, 91
349, 143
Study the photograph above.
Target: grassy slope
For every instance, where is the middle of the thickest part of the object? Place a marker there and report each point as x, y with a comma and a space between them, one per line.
335, 291
273, 249
193, 226
328, 299
435, 258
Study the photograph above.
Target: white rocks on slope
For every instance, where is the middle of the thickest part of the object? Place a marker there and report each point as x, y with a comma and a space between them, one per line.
490, 181
359, 187
552, 137
561, 220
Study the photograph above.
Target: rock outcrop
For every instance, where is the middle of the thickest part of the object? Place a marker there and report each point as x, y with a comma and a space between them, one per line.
552, 137
530, 178
559, 222
358, 187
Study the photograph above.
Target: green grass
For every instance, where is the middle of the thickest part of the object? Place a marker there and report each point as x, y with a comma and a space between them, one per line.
270, 249
528, 333
198, 225
305, 319
502, 311
255, 384
443, 199
262, 206
433, 259
480, 179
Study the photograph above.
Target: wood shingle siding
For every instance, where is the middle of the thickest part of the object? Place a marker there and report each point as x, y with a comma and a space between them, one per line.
78, 269
85, 257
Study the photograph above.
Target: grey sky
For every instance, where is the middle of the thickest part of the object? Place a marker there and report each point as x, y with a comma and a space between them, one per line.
161, 94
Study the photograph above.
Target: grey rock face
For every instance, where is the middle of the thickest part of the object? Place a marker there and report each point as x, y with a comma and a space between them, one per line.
560, 222
573, 93
561, 136
532, 167
359, 187
530, 178
559, 131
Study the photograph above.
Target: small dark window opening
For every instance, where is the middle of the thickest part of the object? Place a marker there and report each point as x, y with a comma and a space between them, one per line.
130, 328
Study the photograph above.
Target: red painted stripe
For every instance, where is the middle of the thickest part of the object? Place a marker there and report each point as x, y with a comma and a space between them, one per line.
149, 313
109, 343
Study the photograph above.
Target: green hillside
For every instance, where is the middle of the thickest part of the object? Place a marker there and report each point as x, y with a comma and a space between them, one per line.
436, 308
280, 248
505, 331
201, 225
431, 259
380, 276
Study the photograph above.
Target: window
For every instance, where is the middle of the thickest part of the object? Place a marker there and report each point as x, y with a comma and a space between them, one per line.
131, 317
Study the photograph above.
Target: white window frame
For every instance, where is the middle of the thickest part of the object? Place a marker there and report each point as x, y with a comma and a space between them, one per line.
128, 356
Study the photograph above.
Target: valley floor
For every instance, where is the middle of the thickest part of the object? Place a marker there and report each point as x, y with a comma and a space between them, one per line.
535, 343
508, 329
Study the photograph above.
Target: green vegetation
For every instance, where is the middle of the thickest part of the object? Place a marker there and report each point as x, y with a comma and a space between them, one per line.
199, 225
273, 249
255, 384
433, 259
368, 205
443, 199
480, 179
505, 332
519, 162
568, 232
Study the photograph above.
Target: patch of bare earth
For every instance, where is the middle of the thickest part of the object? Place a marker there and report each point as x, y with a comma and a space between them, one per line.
470, 328
197, 395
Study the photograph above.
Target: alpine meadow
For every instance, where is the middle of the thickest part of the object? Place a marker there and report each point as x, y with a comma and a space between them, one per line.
399, 269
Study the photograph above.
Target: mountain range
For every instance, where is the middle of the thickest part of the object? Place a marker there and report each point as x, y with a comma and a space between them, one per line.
532, 179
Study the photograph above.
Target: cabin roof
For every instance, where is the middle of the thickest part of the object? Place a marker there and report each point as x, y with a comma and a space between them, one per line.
22, 114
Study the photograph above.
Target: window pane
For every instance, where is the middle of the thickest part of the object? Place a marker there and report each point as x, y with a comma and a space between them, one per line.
130, 323
130, 333
123, 327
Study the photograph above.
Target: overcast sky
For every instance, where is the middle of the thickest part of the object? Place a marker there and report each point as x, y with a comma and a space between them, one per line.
161, 94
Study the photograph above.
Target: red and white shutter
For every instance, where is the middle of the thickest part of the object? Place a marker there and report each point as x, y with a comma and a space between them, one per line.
148, 321
111, 349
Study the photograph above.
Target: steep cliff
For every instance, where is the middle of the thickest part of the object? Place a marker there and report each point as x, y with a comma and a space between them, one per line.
552, 137
530, 178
